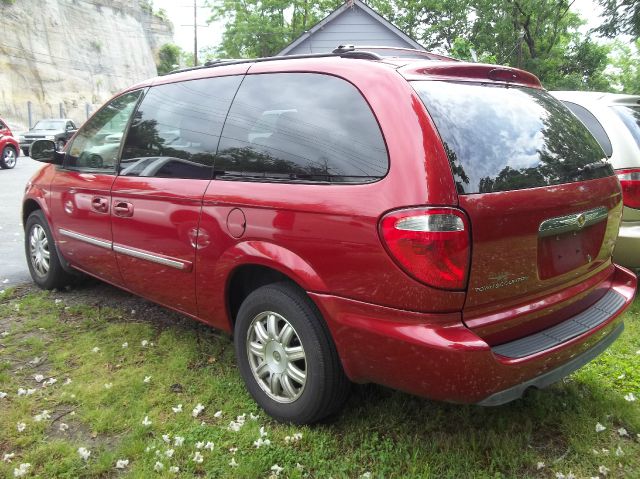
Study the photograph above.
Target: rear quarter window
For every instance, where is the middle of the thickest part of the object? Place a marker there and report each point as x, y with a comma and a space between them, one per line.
303, 127
501, 138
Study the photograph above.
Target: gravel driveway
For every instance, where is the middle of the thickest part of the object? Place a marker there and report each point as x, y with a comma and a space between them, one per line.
13, 266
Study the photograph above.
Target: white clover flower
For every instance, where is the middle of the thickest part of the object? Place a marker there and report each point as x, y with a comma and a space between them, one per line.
158, 466
234, 426
604, 470
38, 378
600, 427
146, 421
559, 475
571, 475
108, 386
4, 334
166, 438
96, 349
177, 409
122, 463
147, 379
3, 395
295, 438
63, 427
178, 441
174, 469
169, 452
49, 382
242, 418
630, 397
21, 470
233, 462
84, 453
218, 414
35, 361
199, 445
42, 416
261, 442
67, 382
622, 432
276, 469
209, 445
253, 417
144, 343
233, 450
8, 457
299, 467
125, 345
198, 458
263, 433
366, 475
21, 426
619, 451
197, 410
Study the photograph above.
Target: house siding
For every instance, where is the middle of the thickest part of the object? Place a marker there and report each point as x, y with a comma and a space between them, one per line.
352, 27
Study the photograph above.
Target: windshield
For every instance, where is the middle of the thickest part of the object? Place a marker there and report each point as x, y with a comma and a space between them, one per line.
49, 125
630, 115
502, 138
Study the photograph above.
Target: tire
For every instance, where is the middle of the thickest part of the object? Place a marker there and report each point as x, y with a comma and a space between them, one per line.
325, 387
39, 246
25, 151
60, 145
9, 158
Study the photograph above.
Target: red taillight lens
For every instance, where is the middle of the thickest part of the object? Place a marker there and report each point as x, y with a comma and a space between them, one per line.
630, 182
430, 244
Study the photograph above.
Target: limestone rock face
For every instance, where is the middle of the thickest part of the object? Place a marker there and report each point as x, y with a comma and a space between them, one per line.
74, 53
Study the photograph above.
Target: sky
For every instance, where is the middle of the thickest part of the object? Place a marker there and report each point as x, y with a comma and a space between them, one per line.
180, 12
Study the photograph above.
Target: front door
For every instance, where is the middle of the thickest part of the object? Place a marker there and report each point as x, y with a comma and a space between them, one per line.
81, 190
167, 163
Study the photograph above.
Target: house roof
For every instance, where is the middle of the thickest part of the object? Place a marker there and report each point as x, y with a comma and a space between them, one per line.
339, 11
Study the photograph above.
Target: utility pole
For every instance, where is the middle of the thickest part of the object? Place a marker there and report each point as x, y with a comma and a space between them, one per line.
195, 33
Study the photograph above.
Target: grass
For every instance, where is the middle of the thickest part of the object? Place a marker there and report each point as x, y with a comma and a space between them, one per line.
381, 432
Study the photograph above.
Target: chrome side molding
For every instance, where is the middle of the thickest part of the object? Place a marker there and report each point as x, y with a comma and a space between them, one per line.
572, 222
135, 253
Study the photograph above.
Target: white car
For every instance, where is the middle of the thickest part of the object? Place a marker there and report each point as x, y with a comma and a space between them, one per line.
614, 120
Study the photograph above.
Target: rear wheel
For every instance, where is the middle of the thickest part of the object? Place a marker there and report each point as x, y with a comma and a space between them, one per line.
286, 355
42, 256
8, 158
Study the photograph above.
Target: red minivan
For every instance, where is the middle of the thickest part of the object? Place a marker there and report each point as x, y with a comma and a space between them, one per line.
439, 227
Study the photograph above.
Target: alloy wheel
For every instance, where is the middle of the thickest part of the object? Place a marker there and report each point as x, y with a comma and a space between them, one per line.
39, 250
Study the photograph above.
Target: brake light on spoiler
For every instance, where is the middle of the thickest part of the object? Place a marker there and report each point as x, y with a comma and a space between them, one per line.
430, 244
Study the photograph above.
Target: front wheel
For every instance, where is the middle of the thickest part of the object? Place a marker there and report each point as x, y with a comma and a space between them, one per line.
8, 158
286, 356
42, 256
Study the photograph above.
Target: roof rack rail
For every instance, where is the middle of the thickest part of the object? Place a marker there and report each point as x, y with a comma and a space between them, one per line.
343, 51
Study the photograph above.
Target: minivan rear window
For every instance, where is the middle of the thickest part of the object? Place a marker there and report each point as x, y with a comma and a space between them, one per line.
501, 138
630, 115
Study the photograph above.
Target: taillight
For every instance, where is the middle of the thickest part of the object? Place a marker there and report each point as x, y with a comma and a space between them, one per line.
430, 244
630, 182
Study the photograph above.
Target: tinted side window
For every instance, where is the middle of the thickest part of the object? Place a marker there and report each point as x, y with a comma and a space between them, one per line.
594, 126
96, 146
301, 126
510, 138
176, 129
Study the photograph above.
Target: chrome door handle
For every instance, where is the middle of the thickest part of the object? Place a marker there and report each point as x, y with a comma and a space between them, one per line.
99, 204
123, 209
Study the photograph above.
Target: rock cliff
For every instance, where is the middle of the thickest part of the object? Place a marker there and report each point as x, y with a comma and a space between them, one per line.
72, 55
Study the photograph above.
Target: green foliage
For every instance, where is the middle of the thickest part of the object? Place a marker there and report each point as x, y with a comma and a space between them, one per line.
256, 28
620, 17
168, 58
625, 68
7, 2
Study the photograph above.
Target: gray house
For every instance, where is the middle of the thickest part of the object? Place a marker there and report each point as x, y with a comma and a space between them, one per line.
354, 23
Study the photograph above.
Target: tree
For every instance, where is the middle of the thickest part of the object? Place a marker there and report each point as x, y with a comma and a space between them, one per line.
625, 68
620, 17
168, 58
255, 28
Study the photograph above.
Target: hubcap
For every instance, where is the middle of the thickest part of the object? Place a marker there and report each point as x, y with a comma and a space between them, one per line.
39, 250
276, 357
9, 158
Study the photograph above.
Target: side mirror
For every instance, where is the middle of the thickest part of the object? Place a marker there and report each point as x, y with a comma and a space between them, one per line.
45, 151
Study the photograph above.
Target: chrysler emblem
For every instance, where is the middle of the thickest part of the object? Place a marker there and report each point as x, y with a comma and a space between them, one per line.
581, 219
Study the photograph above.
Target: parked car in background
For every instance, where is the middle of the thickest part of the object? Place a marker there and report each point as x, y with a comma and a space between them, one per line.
58, 130
439, 227
614, 120
9, 147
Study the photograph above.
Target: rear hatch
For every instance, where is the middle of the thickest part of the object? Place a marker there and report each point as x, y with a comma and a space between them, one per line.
543, 204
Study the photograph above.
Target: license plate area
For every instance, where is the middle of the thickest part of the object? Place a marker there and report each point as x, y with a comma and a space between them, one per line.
564, 252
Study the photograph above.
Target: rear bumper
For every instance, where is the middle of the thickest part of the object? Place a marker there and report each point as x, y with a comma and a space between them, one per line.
627, 251
436, 356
